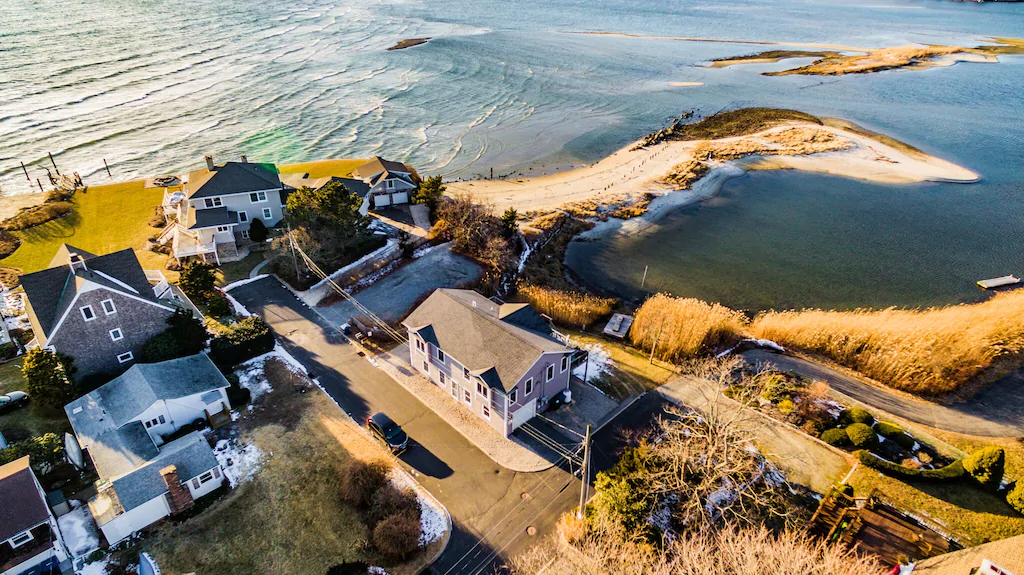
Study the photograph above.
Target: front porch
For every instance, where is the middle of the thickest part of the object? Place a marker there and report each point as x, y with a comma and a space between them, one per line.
185, 244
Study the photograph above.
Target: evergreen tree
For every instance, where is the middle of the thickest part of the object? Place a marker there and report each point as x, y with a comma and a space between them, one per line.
48, 375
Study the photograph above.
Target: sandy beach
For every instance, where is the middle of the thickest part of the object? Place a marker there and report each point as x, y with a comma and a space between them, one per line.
632, 172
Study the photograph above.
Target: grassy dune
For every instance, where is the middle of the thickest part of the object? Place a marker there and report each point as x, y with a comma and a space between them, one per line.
927, 352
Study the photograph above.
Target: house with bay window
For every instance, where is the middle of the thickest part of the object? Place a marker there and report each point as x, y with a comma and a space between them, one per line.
502, 362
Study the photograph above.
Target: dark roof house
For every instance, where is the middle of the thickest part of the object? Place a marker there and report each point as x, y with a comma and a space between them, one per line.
30, 539
379, 165
232, 178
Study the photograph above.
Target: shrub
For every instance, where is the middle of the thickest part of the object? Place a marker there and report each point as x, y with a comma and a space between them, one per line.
683, 327
48, 377
1016, 497
36, 215
836, 436
8, 350
397, 537
895, 433
44, 451
8, 243
197, 280
786, 406
363, 481
862, 436
185, 336
219, 306
238, 395
390, 500
257, 231
244, 340
567, 307
986, 466
775, 387
856, 415
950, 472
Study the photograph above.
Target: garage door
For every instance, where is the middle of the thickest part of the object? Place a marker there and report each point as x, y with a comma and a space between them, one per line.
400, 198
381, 200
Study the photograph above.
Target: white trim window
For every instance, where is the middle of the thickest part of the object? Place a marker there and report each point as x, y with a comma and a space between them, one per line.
465, 373
204, 478
440, 377
268, 214
87, 313
513, 396
116, 335
257, 197
467, 396
125, 357
108, 306
20, 539
440, 355
242, 216
391, 184
455, 390
214, 202
245, 234
529, 387
565, 363
549, 372
481, 389
485, 409
222, 229
426, 367
420, 346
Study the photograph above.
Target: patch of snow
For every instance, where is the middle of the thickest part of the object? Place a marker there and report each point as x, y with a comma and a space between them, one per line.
880, 438
916, 447
527, 250
239, 308
79, 530
831, 407
94, 568
661, 516
376, 254
372, 278
420, 252
767, 343
233, 285
240, 462
599, 362
251, 376
13, 304
433, 519
373, 570
19, 322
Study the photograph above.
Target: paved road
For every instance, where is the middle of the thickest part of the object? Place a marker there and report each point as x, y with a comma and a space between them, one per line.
491, 506
998, 411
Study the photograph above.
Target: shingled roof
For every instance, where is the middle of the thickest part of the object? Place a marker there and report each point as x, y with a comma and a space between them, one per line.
499, 343
22, 507
233, 178
52, 290
378, 165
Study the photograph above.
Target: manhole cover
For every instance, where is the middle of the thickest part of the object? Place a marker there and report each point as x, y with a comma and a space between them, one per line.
524, 496
531, 531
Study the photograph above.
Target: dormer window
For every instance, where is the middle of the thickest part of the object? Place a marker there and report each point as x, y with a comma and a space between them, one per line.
108, 306
213, 202
20, 539
87, 313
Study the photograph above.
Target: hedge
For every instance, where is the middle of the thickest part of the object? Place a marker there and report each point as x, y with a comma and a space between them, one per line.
1016, 497
862, 436
244, 340
986, 465
895, 433
856, 415
44, 451
836, 436
950, 472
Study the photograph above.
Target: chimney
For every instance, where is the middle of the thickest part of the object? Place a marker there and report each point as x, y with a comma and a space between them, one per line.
245, 160
75, 262
179, 498
209, 163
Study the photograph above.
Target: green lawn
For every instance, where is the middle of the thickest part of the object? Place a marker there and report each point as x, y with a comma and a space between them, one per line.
35, 419
324, 168
234, 271
105, 218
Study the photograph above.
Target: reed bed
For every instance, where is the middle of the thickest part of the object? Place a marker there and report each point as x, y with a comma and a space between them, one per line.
568, 308
934, 351
684, 327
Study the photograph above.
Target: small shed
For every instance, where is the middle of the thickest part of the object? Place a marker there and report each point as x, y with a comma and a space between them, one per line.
618, 325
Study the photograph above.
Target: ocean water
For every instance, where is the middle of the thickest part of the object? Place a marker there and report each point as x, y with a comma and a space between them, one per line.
515, 86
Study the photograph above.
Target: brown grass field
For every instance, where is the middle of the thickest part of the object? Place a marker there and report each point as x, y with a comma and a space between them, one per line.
570, 308
680, 328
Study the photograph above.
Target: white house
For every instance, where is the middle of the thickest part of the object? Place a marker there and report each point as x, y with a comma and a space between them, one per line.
30, 539
390, 182
131, 428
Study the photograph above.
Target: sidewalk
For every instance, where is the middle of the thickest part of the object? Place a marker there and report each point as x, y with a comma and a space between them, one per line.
509, 453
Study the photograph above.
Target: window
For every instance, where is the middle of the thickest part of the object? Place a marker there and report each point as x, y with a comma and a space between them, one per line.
550, 372
21, 539
481, 389
213, 202
108, 306
245, 234
465, 373
529, 387
149, 424
268, 214
115, 334
391, 184
468, 396
256, 197
486, 410
195, 483
426, 367
440, 377
153, 422
419, 345
216, 472
440, 355
242, 216
87, 313
455, 390
125, 357
565, 363
208, 476
223, 228
162, 420
513, 396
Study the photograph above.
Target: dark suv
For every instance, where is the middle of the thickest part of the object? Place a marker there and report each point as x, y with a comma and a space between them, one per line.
388, 432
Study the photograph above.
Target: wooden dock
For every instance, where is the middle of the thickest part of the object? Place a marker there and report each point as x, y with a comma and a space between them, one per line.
999, 282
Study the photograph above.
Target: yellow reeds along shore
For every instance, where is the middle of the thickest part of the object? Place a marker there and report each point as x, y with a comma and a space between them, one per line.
567, 307
679, 328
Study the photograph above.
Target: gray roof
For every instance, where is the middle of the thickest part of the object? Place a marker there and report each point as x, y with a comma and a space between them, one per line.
210, 218
117, 402
500, 343
392, 176
22, 507
378, 165
233, 178
190, 454
358, 187
51, 291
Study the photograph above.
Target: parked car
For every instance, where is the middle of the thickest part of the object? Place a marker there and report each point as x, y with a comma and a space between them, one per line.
13, 400
388, 432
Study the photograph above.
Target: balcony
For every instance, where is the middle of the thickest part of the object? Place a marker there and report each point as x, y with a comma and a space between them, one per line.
161, 288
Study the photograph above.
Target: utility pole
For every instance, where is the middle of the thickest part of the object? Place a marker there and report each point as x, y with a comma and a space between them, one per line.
295, 262
585, 487
643, 281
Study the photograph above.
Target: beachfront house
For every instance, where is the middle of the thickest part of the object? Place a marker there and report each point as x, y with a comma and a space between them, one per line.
357, 187
100, 310
391, 183
139, 430
30, 539
212, 214
502, 362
